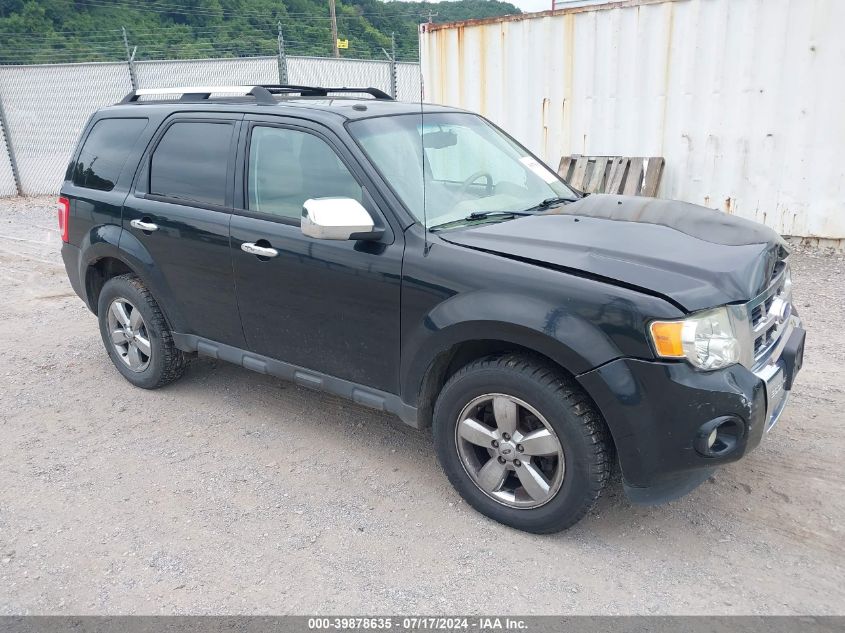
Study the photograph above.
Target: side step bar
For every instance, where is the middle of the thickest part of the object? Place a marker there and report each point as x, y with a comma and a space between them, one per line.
373, 398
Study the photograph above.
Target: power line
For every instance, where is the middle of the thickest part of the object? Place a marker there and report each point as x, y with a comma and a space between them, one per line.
176, 41
188, 29
165, 9
181, 10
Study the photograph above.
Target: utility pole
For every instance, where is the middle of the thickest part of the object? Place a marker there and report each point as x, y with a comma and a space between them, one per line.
283, 60
334, 29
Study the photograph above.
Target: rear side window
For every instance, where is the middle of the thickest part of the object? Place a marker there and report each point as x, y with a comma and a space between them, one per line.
104, 153
191, 162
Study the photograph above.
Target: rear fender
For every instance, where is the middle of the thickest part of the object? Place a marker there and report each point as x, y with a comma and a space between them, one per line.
110, 240
98, 243
138, 258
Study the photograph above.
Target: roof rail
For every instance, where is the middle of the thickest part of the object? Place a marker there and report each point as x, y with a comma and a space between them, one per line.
200, 93
263, 93
319, 91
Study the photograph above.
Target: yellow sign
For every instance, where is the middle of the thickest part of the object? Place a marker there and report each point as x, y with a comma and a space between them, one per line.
343, 43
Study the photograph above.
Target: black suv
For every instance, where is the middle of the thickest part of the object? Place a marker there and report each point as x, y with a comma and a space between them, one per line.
420, 261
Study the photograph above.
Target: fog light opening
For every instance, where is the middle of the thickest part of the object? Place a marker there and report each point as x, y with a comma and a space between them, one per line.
711, 439
719, 437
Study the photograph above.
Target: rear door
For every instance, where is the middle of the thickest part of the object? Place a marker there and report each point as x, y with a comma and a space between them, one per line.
180, 211
329, 306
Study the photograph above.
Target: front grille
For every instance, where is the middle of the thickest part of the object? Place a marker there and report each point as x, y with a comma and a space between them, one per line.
766, 310
765, 340
761, 310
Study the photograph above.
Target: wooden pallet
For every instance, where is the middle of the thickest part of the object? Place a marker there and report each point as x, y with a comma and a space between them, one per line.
625, 175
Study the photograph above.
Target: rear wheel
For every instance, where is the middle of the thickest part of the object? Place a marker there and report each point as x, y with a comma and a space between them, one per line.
136, 335
522, 443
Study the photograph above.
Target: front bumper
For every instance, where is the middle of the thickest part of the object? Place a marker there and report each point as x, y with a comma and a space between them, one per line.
778, 369
656, 411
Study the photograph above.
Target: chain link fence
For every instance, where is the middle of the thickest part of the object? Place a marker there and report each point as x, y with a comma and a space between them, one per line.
205, 72
308, 71
47, 106
408, 82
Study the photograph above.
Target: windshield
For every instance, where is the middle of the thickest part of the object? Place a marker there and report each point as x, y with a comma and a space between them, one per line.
469, 166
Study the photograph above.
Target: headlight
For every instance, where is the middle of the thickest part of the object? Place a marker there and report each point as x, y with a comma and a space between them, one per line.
707, 339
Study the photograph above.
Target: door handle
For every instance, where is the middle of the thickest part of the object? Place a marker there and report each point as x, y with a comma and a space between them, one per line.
261, 251
144, 226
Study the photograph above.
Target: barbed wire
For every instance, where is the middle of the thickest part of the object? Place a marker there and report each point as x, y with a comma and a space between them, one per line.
173, 53
148, 45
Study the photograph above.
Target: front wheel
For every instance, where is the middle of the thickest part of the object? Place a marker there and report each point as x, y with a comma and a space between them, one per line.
522, 443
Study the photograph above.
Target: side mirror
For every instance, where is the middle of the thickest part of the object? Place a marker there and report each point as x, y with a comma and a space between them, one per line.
338, 219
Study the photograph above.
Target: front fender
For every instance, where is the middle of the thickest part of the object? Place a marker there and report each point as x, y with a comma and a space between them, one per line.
567, 338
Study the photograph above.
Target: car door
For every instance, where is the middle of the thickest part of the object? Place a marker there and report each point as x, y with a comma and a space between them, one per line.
180, 211
328, 306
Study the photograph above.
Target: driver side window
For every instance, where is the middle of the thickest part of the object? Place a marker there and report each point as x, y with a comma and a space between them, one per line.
287, 167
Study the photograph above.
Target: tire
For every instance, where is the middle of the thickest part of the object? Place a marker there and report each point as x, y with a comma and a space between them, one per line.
569, 486
163, 363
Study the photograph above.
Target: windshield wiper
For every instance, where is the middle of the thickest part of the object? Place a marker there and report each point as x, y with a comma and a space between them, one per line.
547, 203
480, 215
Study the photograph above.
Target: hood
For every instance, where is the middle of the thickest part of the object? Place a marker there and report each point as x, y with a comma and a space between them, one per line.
693, 256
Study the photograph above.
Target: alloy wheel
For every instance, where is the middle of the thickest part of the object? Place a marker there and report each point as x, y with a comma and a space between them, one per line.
129, 334
510, 451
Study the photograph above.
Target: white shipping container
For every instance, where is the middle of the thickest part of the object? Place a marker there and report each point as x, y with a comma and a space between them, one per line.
744, 98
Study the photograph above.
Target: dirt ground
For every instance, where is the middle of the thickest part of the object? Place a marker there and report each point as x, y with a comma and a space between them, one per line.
233, 492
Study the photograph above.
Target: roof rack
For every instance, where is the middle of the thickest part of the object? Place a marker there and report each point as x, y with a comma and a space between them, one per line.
318, 91
263, 93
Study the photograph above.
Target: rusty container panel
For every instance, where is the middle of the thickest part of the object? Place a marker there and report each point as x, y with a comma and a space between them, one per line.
742, 97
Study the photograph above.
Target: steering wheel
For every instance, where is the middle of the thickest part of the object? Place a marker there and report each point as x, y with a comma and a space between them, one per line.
479, 174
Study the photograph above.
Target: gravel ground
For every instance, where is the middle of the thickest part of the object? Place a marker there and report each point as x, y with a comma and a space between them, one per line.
233, 492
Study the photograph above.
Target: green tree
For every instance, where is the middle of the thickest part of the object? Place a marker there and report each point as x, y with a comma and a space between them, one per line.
44, 31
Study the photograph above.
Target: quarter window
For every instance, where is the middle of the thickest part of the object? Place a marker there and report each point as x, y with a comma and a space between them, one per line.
191, 162
104, 153
288, 167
